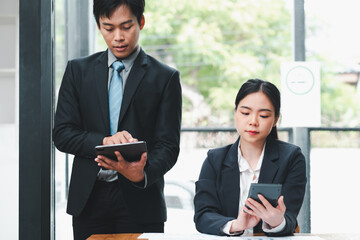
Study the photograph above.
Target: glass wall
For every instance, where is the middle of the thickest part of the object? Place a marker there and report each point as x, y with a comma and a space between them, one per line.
333, 41
217, 45
63, 221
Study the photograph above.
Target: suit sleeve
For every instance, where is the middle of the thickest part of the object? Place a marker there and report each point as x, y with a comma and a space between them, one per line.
69, 134
293, 190
165, 152
208, 218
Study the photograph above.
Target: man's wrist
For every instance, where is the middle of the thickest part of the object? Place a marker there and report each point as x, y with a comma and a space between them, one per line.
139, 179
143, 183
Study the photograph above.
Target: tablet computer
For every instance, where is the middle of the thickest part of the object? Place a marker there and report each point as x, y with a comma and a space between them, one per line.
130, 151
269, 190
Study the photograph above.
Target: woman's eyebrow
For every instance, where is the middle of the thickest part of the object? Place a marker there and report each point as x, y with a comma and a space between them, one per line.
265, 110
261, 110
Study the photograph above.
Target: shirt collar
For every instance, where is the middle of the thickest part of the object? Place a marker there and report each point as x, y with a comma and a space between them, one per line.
128, 62
244, 165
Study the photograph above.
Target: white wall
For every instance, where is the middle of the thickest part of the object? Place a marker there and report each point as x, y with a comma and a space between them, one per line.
9, 160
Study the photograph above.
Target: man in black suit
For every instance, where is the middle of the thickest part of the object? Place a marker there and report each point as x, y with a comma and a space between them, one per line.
108, 196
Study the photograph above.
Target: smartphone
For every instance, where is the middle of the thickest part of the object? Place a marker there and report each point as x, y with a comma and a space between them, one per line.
270, 191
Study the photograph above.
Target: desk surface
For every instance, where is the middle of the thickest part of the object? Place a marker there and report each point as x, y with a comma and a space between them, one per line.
134, 236
123, 236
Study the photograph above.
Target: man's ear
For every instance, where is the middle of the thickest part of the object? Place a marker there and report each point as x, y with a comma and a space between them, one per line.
142, 22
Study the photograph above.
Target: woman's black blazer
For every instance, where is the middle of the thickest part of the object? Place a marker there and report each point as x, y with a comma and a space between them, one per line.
218, 188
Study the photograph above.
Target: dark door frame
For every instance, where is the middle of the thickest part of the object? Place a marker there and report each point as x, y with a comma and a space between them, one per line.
36, 94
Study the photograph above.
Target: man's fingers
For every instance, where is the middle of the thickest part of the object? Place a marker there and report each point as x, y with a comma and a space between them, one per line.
119, 157
126, 137
143, 158
104, 162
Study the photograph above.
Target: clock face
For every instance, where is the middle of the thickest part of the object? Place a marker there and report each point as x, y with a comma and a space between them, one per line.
300, 80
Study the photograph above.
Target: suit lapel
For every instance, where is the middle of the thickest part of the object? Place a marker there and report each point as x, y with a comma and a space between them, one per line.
269, 166
136, 75
101, 83
231, 180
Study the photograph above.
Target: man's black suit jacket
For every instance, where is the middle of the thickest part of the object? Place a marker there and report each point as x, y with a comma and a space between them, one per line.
218, 188
150, 111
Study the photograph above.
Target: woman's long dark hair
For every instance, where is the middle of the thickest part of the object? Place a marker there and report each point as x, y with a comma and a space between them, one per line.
269, 89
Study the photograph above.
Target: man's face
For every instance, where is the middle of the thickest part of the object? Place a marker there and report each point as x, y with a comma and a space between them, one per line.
121, 31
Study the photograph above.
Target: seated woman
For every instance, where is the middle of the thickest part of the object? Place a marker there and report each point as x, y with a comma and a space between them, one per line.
256, 157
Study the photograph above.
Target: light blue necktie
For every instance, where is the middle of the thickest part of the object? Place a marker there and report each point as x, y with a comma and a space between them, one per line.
115, 96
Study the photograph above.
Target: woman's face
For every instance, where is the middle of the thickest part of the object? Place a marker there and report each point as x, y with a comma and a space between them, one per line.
254, 118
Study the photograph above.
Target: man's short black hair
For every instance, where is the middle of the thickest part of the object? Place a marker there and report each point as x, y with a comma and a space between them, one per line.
103, 8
